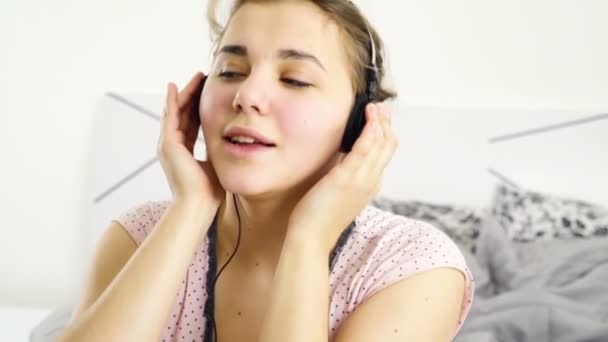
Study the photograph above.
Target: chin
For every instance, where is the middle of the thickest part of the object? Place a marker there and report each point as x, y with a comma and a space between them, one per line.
244, 181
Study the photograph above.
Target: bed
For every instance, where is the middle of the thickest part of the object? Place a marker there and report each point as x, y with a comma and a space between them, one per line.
540, 258
540, 265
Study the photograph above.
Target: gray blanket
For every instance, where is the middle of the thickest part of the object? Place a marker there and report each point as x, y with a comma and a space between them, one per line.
553, 290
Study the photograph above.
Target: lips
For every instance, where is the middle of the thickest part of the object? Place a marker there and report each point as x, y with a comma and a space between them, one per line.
228, 140
259, 138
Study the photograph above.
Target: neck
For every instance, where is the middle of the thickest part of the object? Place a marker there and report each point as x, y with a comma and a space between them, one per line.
264, 222
263, 227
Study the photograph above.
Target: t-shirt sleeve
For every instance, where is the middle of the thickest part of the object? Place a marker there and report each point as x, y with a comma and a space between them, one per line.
411, 248
139, 219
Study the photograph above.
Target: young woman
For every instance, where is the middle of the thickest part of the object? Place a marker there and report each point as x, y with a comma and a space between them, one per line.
272, 239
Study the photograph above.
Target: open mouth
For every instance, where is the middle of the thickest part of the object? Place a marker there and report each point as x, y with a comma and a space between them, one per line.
255, 143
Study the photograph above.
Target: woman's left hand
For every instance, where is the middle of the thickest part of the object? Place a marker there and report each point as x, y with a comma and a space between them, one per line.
335, 200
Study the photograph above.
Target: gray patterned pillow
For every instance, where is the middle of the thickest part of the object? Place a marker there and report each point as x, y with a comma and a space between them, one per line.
527, 215
461, 224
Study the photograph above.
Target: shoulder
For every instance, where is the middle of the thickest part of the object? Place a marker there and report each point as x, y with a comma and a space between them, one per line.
386, 248
140, 218
378, 230
401, 246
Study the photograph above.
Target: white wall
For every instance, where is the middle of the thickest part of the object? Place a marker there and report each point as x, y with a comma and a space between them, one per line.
526, 62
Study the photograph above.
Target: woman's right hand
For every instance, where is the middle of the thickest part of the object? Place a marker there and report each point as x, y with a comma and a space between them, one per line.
189, 179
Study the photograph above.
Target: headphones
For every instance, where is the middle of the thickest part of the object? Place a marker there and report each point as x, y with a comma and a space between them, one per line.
356, 120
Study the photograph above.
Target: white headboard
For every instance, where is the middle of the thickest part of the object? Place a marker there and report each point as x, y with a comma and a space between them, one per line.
446, 155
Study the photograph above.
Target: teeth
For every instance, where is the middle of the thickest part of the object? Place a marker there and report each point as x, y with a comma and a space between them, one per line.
241, 139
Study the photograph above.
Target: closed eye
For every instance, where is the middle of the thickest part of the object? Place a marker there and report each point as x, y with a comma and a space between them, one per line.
289, 81
296, 83
229, 74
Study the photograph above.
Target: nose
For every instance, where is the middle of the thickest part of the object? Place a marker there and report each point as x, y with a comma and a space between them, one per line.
251, 96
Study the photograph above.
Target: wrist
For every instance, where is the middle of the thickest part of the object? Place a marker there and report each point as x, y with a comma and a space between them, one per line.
197, 209
195, 202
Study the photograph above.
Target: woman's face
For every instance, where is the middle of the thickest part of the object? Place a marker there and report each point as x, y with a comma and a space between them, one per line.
281, 70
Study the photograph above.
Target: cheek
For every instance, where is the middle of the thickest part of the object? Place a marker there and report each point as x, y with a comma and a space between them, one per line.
303, 123
214, 100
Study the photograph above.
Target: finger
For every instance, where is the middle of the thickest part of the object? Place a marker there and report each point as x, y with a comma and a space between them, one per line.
188, 120
170, 121
374, 166
366, 170
361, 153
387, 148
381, 122
385, 125
192, 132
185, 96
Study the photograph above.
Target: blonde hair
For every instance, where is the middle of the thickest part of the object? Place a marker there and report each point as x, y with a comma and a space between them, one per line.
357, 32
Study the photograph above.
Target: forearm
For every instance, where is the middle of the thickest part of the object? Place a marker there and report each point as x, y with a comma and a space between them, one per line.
137, 303
298, 309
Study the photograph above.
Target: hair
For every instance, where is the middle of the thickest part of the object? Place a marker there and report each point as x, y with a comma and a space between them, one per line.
355, 29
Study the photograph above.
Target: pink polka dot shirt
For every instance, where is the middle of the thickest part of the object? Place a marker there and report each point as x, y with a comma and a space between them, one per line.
382, 249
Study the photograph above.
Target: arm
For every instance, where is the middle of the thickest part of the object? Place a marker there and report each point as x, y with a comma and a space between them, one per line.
298, 309
424, 307
134, 306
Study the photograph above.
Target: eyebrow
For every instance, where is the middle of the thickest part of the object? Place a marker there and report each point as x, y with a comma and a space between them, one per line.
240, 50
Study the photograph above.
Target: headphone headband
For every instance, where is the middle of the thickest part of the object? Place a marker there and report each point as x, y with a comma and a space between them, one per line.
372, 69
371, 73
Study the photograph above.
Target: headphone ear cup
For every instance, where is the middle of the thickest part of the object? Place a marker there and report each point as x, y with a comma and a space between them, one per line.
356, 122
